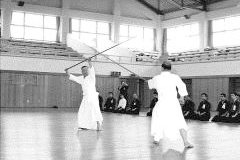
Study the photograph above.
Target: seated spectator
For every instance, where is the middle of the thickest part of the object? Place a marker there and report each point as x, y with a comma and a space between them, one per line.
153, 102
222, 109
110, 103
188, 108
203, 111
233, 116
134, 107
121, 105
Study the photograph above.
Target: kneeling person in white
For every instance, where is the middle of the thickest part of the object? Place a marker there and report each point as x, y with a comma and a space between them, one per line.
89, 114
167, 117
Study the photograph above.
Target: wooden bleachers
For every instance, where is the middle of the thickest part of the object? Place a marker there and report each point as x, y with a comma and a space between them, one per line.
39, 49
216, 54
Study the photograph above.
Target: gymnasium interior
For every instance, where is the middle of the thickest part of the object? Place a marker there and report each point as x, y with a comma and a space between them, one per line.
39, 39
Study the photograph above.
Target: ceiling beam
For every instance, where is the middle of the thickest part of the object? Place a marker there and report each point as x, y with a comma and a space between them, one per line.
204, 4
148, 5
182, 6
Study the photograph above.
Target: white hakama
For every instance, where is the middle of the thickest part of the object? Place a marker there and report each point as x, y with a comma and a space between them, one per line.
167, 117
89, 112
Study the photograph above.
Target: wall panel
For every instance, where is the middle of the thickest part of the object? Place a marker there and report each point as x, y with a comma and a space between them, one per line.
212, 86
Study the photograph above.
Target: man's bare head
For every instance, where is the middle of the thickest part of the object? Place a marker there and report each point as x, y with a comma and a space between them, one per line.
84, 70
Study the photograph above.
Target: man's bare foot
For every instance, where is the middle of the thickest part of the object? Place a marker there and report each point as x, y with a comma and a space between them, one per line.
99, 127
82, 128
188, 145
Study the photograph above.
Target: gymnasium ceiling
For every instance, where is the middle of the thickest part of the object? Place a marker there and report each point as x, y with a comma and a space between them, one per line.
167, 6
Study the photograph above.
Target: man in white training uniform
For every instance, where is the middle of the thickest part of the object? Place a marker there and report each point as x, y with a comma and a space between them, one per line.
89, 114
167, 118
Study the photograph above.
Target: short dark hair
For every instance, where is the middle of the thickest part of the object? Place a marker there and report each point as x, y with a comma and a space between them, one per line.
166, 65
235, 94
83, 67
223, 94
205, 94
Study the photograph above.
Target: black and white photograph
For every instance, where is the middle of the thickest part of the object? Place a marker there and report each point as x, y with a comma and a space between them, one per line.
119, 79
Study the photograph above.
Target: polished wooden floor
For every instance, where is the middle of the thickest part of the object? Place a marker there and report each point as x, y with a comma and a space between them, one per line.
51, 134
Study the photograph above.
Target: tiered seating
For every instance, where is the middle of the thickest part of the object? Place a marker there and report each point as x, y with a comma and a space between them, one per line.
208, 55
146, 56
30, 48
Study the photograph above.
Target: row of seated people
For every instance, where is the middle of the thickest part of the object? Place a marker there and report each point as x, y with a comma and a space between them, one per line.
228, 112
122, 107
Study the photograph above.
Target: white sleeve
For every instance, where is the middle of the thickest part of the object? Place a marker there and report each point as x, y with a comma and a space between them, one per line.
151, 83
182, 89
76, 79
92, 72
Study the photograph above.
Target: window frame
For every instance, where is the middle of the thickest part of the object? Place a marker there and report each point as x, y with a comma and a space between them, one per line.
197, 35
143, 39
96, 33
223, 31
28, 26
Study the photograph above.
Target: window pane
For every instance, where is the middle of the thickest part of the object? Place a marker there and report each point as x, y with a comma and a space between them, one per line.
75, 34
218, 25
136, 31
186, 30
88, 38
17, 31
123, 30
122, 39
171, 33
135, 43
102, 42
194, 29
33, 33
232, 23
75, 24
233, 38
148, 45
50, 35
50, 22
88, 26
34, 20
148, 33
18, 18
219, 39
193, 43
103, 27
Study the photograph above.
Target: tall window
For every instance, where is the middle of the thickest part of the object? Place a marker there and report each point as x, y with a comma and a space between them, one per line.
92, 33
33, 26
226, 31
183, 38
143, 38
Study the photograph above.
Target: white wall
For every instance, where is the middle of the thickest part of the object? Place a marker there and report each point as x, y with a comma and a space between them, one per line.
58, 66
201, 69
224, 68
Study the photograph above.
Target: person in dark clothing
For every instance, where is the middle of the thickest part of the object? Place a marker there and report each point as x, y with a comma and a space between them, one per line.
233, 115
135, 105
110, 103
153, 102
123, 89
203, 111
188, 108
222, 109
100, 98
